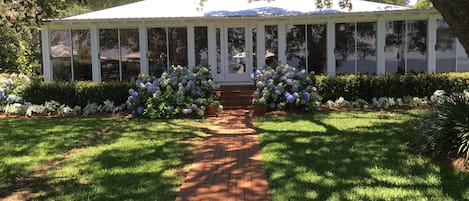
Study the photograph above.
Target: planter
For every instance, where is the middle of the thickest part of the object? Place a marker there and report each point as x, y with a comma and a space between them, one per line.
259, 110
211, 111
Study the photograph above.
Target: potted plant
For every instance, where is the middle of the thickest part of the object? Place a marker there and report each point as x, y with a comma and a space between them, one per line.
213, 107
259, 106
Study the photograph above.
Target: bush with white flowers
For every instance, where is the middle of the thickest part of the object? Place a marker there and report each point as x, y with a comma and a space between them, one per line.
381, 102
180, 91
285, 86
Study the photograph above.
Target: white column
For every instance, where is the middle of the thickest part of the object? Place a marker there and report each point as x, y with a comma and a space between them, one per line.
143, 40
282, 43
431, 43
190, 47
260, 44
46, 61
331, 48
380, 44
96, 64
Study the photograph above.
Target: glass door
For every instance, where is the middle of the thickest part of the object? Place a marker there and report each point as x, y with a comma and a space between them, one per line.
237, 62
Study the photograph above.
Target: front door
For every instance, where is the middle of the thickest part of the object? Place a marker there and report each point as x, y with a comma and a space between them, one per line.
236, 61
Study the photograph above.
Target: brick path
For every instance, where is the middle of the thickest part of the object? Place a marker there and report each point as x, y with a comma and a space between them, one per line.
229, 165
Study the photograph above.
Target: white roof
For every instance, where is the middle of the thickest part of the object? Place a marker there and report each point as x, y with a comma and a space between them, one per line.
227, 8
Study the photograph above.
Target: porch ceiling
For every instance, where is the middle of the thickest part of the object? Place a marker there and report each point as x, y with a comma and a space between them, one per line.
154, 9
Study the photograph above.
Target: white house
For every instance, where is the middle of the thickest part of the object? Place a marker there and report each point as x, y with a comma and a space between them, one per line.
235, 37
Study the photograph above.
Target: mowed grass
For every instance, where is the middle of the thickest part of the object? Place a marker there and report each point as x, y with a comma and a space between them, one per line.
25, 144
355, 155
135, 160
139, 160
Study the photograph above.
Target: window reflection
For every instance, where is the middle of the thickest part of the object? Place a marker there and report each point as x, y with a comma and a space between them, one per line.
271, 44
177, 41
317, 48
366, 47
463, 60
395, 47
236, 50
82, 66
60, 51
296, 46
109, 54
416, 46
157, 51
445, 48
254, 48
130, 53
345, 48
218, 38
201, 46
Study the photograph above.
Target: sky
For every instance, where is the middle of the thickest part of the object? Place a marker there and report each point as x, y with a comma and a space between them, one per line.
412, 2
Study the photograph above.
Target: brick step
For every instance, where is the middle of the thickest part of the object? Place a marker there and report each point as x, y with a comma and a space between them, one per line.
230, 107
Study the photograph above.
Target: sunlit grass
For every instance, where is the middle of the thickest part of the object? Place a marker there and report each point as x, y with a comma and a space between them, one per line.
25, 144
353, 156
138, 161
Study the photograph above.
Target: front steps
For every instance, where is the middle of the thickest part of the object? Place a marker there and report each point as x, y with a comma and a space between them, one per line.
237, 97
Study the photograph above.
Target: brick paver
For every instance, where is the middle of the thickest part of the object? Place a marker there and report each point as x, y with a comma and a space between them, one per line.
228, 166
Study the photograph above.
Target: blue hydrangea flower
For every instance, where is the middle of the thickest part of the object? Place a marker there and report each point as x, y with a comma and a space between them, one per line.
290, 98
19, 99
306, 96
2, 95
270, 85
194, 106
139, 110
272, 105
11, 98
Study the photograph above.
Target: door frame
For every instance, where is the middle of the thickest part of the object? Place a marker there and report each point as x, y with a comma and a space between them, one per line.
220, 62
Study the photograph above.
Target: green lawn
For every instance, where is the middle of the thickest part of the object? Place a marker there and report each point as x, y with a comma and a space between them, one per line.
25, 144
137, 160
353, 156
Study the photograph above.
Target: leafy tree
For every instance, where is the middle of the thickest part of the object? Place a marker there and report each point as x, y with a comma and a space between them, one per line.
423, 4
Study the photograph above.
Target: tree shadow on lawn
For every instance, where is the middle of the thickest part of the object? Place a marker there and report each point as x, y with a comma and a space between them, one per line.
135, 162
365, 162
25, 144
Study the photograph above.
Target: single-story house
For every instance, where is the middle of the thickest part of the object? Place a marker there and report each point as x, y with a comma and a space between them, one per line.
234, 37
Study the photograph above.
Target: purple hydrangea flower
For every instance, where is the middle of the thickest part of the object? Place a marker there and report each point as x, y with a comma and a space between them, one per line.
194, 106
2, 95
290, 98
186, 111
289, 81
19, 99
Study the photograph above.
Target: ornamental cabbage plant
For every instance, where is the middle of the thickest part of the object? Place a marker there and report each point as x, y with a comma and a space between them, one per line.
285, 86
180, 91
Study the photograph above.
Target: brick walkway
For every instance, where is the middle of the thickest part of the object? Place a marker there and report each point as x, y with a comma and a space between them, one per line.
229, 165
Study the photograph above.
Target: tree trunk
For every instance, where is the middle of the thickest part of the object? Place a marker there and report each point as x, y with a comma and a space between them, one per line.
456, 14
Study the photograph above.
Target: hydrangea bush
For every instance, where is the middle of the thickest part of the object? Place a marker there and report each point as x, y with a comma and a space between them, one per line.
180, 91
12, 87
381, 102
285, 86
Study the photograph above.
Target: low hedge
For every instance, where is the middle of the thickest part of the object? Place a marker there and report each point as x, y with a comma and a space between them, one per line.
77, 93
364, 86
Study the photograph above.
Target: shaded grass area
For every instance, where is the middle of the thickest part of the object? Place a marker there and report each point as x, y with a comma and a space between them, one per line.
354, 155
25, 144
139, 160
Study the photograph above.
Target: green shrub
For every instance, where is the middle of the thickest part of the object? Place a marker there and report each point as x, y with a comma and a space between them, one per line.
77, 93
445, 129
366, 87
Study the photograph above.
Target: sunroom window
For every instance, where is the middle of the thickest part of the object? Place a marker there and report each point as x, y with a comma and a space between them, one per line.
70, 54
119, 54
